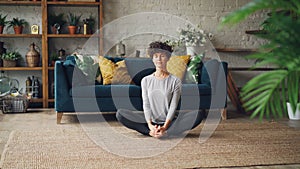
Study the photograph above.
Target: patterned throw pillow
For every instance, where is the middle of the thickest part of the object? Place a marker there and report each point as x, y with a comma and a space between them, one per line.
88, 64
177, 65
193, 74
113, 73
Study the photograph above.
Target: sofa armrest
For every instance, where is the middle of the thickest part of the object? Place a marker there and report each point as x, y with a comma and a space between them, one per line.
214, 74
62, 87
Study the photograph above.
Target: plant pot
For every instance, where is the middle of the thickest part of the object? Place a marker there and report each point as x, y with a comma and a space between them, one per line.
191, 50
1, 29
9, 63
55, 29
18, 29
72, 29
293, 115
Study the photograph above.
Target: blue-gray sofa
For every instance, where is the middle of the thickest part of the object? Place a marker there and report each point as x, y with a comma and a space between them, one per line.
76, 96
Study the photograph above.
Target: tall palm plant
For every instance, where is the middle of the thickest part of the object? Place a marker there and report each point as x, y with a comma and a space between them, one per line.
268, 92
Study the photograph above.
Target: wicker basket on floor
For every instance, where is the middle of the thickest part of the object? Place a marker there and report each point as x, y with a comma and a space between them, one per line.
14, 104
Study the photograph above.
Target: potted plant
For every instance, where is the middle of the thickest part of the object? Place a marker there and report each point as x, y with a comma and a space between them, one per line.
73, 22
269, 92
91, 24
54, 57
10, 59
191, 37
3, 22
17, 24
56, 22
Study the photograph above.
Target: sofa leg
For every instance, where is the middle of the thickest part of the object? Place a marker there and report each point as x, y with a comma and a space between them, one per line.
223, 114
59, 117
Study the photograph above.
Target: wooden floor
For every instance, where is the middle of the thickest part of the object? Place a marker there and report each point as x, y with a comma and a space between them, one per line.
45, 118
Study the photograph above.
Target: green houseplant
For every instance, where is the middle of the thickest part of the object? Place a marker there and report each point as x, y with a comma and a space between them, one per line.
3, 22
17, 24
10, 58
268, 92
54, 57
73, 22
91, 21
56, 22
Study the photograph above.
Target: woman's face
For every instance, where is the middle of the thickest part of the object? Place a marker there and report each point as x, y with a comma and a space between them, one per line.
160, 60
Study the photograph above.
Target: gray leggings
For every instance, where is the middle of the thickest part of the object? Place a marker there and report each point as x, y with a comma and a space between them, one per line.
136, 121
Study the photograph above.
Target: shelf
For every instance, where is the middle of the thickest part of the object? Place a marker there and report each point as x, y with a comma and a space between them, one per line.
235, 50
20, 36
50, 100
255, 32
39, 100
69, 36
37, 3
21, 68
51, 68
74, 3
251, 69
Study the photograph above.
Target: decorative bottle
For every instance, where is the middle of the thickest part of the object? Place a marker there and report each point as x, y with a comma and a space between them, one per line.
35, 86
32, 56
120, 49
85, 27
28, 86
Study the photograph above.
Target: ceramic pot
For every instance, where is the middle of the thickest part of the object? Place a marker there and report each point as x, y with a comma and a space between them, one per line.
1, 29
32, 56
293, 115
72, 29
18, 29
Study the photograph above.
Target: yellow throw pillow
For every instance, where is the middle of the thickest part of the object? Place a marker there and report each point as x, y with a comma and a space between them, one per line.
177, 65
114, 73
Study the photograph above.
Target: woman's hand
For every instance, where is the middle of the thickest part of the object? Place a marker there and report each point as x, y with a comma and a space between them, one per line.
158, 132
153, 129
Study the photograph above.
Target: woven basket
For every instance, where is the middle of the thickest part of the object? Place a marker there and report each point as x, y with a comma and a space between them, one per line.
9, 63
14, 104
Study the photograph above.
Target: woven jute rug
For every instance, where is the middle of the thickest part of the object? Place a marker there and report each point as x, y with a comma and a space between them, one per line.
231, 144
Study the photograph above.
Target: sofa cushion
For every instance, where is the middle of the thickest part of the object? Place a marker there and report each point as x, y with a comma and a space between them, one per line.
177, 65
88, 64
139, 68
131, 90
193, 74
113, 73
140, 75
75, 76
191, 89
106, 91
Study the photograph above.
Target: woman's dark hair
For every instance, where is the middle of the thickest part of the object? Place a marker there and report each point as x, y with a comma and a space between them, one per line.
159, 47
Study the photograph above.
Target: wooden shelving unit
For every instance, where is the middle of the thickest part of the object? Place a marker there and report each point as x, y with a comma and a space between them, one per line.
20, 36
45, 36
253, 32
21, 68
69, 36
26, 3
235, 50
